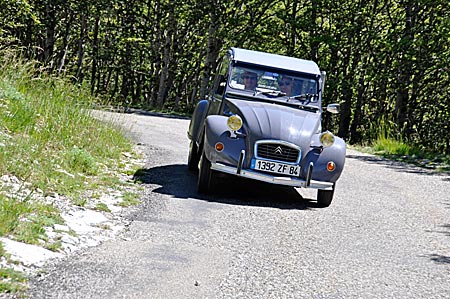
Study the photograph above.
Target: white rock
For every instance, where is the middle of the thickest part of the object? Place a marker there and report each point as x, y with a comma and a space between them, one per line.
68, 248
83, 221
61, 228
28, 254
51, 234
70, 240
91, 227
14, 180
92, 242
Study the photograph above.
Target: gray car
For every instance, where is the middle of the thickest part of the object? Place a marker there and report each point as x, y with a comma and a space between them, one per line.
262, 121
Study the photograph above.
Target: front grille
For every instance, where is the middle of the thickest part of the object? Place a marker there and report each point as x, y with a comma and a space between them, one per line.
277, 151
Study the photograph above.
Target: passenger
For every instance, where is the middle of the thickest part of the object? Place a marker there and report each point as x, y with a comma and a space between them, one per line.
286, 85
250, 80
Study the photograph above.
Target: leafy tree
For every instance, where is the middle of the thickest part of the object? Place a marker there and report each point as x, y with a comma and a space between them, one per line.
386, 60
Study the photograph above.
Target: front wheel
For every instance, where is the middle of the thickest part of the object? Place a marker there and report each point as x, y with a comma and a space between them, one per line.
206, 176
325, 197
193, 157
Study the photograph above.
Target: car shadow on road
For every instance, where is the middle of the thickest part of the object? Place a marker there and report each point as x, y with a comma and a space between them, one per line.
177, 181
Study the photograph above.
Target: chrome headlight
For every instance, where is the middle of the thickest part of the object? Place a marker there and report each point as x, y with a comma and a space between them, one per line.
326, 139
234, 122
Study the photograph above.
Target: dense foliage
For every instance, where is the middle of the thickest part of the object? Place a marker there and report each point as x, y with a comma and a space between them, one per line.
387, 60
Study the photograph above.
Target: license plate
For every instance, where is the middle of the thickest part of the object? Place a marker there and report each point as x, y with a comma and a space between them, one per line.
275, 167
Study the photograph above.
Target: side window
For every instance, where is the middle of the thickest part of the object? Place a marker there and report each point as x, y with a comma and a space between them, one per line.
221, 78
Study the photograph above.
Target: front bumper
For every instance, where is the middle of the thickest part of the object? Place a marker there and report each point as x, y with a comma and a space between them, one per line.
268, 178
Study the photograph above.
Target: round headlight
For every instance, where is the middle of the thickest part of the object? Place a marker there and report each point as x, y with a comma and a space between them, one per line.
234, 122
326, 139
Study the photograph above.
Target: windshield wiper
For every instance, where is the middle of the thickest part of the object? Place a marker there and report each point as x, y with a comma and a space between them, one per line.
306, 97
273, 93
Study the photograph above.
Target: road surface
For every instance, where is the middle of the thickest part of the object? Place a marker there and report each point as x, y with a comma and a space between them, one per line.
386, 234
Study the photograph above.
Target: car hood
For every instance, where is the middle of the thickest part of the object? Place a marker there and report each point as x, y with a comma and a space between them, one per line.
273, 121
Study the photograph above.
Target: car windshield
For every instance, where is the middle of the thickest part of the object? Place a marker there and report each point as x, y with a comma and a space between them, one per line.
275, 84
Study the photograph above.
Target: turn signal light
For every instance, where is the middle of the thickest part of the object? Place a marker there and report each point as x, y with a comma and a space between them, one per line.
219, 146
331, 166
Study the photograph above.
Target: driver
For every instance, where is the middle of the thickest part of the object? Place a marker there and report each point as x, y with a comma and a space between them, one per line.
250, 80
286, 84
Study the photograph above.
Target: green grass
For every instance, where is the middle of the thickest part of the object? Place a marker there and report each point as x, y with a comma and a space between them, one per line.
47, 134
11, 281
49, 139
399, 151
393, 147
388, 145
129, 199
25, 219
102, 207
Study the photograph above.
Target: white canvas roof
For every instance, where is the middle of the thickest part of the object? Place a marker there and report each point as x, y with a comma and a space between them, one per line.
276, 61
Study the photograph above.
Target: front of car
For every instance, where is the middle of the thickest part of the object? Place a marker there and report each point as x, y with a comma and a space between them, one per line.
269, 124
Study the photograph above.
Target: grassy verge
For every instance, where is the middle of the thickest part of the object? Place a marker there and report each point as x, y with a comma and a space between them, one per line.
388, 146
11, 281
25, 219
49, 143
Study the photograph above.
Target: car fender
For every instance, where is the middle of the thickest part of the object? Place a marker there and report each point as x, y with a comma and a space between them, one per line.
217, 130
321, 156
197, 120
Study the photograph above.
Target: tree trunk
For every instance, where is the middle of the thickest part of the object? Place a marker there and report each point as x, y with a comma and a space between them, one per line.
345, 115
355, 136
65, 44
95, 46
156, 49
313, 32
50, 22
81, 48
193, 97
212, 50
405, 68
166, 60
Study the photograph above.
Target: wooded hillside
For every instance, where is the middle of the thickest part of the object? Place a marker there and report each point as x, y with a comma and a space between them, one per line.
387, 60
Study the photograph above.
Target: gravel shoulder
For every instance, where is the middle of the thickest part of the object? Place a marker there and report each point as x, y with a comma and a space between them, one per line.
386, 234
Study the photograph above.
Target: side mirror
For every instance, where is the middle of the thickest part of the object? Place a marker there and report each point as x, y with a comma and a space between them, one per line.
221, 86
333, 108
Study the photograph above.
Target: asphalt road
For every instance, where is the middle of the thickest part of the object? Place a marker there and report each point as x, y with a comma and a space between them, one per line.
386, 235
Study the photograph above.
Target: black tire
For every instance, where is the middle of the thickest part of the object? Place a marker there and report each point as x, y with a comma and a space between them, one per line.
325, 197
194, 156
206, 176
